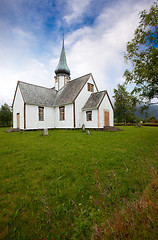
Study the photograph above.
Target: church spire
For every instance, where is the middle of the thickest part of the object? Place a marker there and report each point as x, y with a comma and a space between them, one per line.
62, 68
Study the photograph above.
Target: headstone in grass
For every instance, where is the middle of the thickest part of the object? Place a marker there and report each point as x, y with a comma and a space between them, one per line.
83, 127
45, 132
88, 132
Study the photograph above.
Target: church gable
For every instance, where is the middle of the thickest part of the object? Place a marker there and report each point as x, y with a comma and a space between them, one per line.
71, 90
98, 111
88, 87
17, 92
18, 109
81, 98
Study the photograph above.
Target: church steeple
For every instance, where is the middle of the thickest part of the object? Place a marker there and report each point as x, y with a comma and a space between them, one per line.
62, 71
62, 67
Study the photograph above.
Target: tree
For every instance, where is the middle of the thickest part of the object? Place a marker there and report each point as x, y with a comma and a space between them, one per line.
142, 52
5, 115
125, 104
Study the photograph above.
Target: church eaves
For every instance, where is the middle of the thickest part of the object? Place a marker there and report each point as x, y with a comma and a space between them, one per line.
62, 67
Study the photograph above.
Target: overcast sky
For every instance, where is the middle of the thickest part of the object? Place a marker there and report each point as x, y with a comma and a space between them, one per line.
96, 33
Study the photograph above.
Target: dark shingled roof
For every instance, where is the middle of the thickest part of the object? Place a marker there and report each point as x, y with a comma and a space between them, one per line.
41, 96
94, 100
37, 95
69, 92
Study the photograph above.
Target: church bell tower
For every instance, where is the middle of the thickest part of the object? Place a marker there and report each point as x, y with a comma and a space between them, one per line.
62, 71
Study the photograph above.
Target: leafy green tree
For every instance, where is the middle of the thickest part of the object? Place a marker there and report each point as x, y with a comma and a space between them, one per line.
142, 52
125, 104
5, 115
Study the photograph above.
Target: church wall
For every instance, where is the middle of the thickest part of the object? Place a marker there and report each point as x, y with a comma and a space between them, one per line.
69, 117
80, 102
94, 122
18, 107
32, 118
105, 105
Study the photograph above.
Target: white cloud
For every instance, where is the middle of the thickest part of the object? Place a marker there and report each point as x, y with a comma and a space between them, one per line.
25, 36
77, 35
77, 9
34, 72
99, 49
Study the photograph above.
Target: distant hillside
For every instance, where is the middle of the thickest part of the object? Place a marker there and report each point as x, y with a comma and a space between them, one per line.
152, 111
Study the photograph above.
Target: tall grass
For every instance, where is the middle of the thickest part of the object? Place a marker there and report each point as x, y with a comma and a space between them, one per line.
108, 216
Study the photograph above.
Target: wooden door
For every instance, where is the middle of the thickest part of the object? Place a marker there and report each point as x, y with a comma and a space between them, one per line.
18, 120
106, 118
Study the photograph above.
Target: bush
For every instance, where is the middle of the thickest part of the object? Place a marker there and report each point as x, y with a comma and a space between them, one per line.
150, 124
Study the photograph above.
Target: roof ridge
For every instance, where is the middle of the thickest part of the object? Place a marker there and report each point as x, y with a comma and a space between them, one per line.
35, 85
100, 91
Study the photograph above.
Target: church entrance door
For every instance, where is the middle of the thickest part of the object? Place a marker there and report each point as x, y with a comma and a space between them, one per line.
106, 118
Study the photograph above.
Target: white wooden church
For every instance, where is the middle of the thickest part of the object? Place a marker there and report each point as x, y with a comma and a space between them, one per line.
70, 104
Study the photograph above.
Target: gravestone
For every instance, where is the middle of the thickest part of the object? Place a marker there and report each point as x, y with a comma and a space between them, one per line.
83, 127
88, 132
45, 132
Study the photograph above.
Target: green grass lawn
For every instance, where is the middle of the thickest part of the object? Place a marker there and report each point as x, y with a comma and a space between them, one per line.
43, 178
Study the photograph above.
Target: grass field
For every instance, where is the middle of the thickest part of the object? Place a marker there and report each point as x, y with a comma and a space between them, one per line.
48, 183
